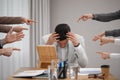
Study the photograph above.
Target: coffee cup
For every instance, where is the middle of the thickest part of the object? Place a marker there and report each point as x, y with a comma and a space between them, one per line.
105, 71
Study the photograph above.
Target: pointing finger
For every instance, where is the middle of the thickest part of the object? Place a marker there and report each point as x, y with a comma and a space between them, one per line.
16, 49
79, 19
25, 28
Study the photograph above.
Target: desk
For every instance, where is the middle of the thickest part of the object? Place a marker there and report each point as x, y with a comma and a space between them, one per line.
81, 77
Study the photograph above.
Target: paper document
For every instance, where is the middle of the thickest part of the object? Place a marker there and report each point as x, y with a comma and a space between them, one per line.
86, 71
29, 73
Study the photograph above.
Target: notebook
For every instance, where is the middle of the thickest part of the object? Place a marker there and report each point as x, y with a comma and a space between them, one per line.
31, 74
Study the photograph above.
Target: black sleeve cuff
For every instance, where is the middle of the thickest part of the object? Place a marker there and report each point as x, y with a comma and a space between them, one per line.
1, 44
94, 17
77, 45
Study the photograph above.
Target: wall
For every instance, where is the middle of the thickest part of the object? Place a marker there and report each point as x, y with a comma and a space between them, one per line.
68, 11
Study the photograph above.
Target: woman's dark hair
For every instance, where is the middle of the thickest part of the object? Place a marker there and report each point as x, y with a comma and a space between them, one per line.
62, 29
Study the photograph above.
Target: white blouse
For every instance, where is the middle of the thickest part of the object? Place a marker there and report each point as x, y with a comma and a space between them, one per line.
115, 55
117, 41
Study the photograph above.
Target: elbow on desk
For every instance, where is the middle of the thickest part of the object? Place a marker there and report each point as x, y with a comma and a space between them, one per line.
83, 64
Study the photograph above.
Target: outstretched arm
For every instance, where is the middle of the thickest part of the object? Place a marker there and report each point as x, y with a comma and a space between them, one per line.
8, 51
104, 17
15, 20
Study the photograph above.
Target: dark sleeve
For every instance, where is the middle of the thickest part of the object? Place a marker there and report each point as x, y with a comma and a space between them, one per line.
11, 20
5, 29
107, 17
1, 44
114, 33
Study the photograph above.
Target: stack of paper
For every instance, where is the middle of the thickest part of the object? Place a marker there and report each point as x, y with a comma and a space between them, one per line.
29, 73
86, 71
